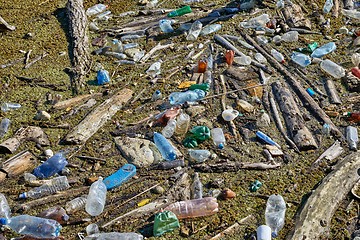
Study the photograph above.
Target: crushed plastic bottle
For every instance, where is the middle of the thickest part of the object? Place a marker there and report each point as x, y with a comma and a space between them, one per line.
352, 137
256, 22
10, 106
102, 77
353, 117
197, 187
56, 213
199, 155
55, 185
200, 133
165, 25
332, 68
208, 29
229, 114
75, 204
95, 202
154, 69
177, 98
260, 58
194, 31
243, 60
166, 149
194, 208
351, 13
4, 126
328, 6
117, 46
122, 175
5, 211
92, 229
275, 213
301, 59
115, 236
218, 137
169, 129
96, 9
164, 222
291, 36
278, 56
51, 166
182, 124
323, 50
179, 12
263, 120
33, 226
263, 232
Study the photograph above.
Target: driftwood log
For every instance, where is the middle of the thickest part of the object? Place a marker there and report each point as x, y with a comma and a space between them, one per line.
233, 166
293, 118
98, 117
294, 16
79, 53
18, 164
313, 221
74, 101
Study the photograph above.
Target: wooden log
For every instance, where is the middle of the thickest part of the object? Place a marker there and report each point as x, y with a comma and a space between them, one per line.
98, 117
332, 92
79, 53
293, 118
314, 219
74, 101
233, 166
18, 164
240, 74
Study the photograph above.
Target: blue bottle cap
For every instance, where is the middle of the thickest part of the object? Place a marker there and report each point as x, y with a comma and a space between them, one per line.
171, 156
3, 221
22, 195
221, 146
310, 92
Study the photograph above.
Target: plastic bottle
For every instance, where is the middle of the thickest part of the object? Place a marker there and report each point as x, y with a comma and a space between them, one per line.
117, 46
4, 126
256, 22
260, 58
332, 68
182, 124
326, 130
197, 187
169, 164
152, 4
75, 204
355, 58
229, 114
263, 232
352, 137
328, 6
179, 12
310, 91
323, 50
229, 57
300, 59
104, 16
92, 228
33, 226
154, 69
353, 117
208, 29
356, 72
166, 149
262, 40
218, 137
98, 8
169, 129
199, 155
10, 106
122, 175
156, 95
266, 139
200, 133
275, 213
291, 36
95, 201
115, 236
280, 4
56, 185
56, 213
203, 86
194, 31
130, 45
51, 166
192, 1
165, 25
5, 211
243, 60
194, 208
177, 98
351, 13
102, 77
202, 65
277, 55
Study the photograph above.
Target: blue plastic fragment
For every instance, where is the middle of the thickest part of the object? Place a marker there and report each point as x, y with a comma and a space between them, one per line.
120, 176
266, 139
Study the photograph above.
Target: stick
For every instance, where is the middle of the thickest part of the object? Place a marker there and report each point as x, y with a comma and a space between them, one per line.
5, 25
92, 158
335, 9
237, 90
35, 60
27, 56
233, 166
230, 230
154, 49
332, 92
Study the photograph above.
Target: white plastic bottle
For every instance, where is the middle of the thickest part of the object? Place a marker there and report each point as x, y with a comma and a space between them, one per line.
95, 202
199, 155
332, 68
277, 55
218, 137
98, 8
352, 137
5, 211
194, 31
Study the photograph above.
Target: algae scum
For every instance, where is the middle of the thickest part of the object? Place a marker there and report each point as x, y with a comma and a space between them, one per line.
294, 180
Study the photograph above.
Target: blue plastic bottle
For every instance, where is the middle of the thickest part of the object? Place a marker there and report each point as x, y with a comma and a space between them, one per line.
328, 6
165, 25
102, 77
177, 98
33, 226
51, 166
266, 139
164, 146
120, 176
301, 59
323, 50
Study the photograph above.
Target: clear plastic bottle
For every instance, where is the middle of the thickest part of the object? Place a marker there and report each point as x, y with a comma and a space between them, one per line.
75, 204
194, 208
194, 31
352, 137
323, 50
169, 129
229, 114
5, 211
177, 98
95, 201
277, 55
10, 106
256, 22
300, 59
243, 60
154, 69
199, 155
51, 166
197, 187
182, 124
165, 25
328, 6
351, 13
192, 1
116, 46
33, 226
332, 68
4, 126
275, 213
208, 29
291, 36
263, 232
260, 58
56, 213
98, 8
104, 16
166, 149
115, 236
56, 185
218, 137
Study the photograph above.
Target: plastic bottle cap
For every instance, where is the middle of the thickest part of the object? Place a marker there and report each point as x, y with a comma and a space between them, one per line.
221, 146
3, 221
22, 195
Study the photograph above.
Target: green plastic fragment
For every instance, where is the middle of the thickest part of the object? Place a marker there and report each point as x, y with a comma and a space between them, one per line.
204, 86
312, 46
180, 11
255, 186
200, 133
190, 142
165, 221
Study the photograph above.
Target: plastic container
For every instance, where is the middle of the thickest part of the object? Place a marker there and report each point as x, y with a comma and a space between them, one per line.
194, 31
202, 66
353, 117
199, 155
256, 22
218, 137
277, 55
275, 213
260, 58
92, 228
179, 12
104, 16
5, 211
115, 236
154, 69
323, 50
156, 95
165, 221
352, 137
291, 36
229, 114
165, 25
192, 1
96, 9
328, 6
56, 213
197, 187
208, 29
200, 133
351, 13
301, 59
177, 98
332, 69
243, 60
51, 166
75, 204
263, 232
95, 201
33, 226
182, 124
102, 77
262, 136
55, 185
117, 46
10, 106
194, 208
122, 175
4, 126
356, 72
166, 149
169, 129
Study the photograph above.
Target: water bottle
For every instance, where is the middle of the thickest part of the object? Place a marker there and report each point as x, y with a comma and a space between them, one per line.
177, 98
243, 60
192, 1
323, 50
156, 95
280, 4
115, 236
194, 31
266, 139
102, 77
117, 46
10, 106
122, 175
179, 12
277, 55
165, 25
154, 69
229, 114
75, 204
352, 137
5, 211
104, 16
56, 213
260, 58
169, 129
4, 127
96, 198
199, 155
291, 36
98, 8
194, 208
166, 149
275, 213
300, 59
33, 226
51, 166
263, 232
92, 229
208, 29
130, 45
328, 6
256, 22
218, 137
182, 124
197, 187
332, 68
55, 185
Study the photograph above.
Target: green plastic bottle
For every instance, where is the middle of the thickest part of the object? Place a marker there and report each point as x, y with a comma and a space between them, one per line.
201, 133
204, 86
165, 221
180, 11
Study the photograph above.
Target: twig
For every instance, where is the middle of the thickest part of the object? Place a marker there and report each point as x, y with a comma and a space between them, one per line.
35, 60
228, 166
154, 49
237, 90
9, 64
138, 96
27, 56
233, 228
4, 24
91, 158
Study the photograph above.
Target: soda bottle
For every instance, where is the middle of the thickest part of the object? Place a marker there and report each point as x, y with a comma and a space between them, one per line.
194, 31
194, 208
218, 137
166, 149
179, 12
56, 213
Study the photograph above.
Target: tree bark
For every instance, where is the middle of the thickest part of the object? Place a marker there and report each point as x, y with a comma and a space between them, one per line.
232, 166
17, 165
79, 54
